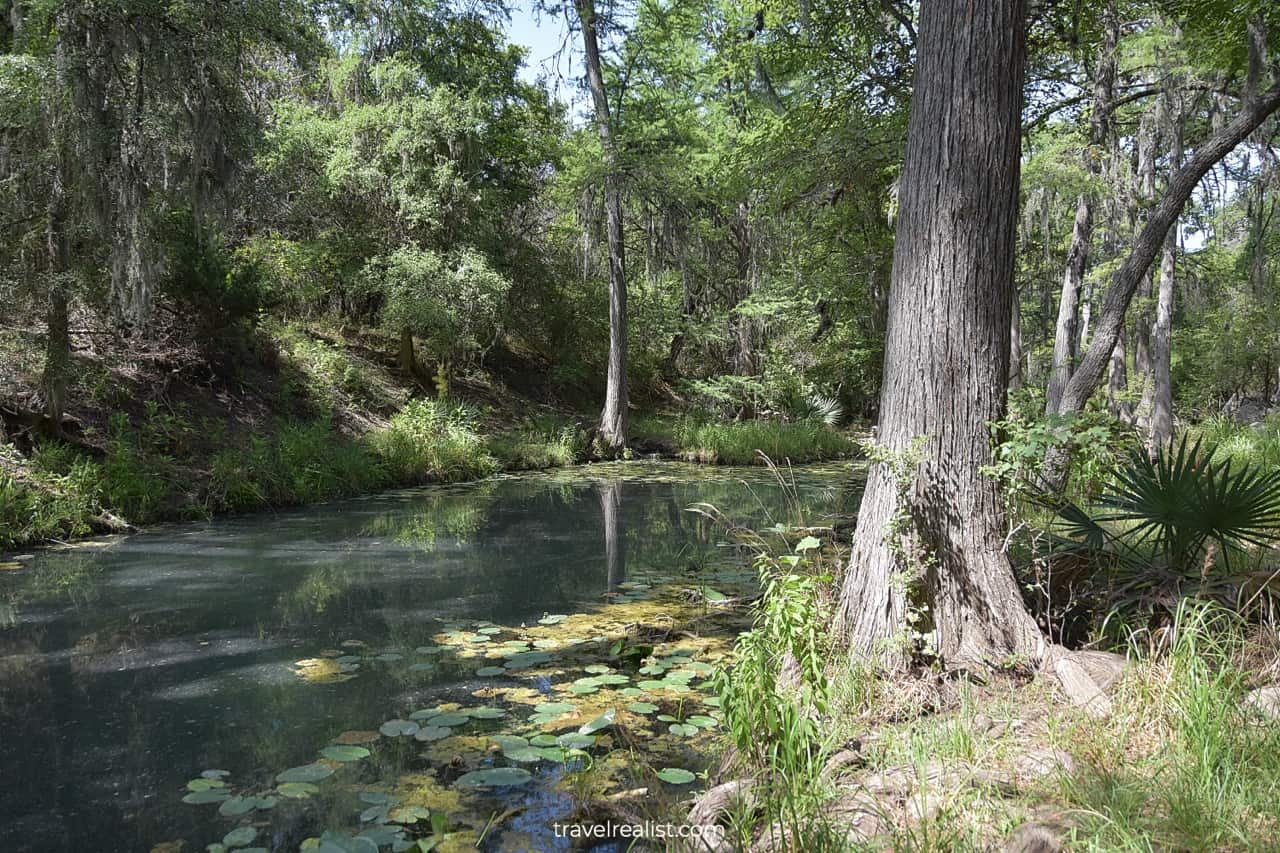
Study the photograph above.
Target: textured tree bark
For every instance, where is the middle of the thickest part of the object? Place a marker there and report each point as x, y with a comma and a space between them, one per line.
1146, 245
611, 439
1118, 381
1070, 334
947, 353
57, 360
1162, 330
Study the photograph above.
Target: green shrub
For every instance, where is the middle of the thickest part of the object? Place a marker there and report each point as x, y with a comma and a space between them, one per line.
433, 441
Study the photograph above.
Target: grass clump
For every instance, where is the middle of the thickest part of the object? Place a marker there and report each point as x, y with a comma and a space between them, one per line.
432, 441
546, 443
1183, 763
741, 442
1252, 444
295, 464
44, 499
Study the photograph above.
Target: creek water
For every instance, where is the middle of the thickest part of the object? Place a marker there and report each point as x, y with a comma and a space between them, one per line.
130, 666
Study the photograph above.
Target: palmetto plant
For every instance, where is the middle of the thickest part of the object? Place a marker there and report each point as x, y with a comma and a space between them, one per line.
1165, 522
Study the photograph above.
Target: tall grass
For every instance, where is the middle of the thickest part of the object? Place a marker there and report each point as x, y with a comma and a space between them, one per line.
1258, 444
546, 443
1183, 763
433, 441
742, 442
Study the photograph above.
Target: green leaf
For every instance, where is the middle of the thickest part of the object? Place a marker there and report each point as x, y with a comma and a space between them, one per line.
344, 753
808, 543
676, 776
496, 777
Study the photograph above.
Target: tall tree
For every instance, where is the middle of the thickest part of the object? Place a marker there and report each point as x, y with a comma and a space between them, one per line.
1070, 334
928, 556
1161, 426
612, 436
1257, 104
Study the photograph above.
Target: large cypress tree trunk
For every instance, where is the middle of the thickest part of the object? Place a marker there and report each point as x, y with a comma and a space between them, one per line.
947, 354
612, 436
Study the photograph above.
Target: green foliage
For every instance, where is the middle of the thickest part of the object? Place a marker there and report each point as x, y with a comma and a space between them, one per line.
1164, 524
1242, 444
433, 441
743, 442
52, 502
1096, 441
548, 443
774, 695
1182, 759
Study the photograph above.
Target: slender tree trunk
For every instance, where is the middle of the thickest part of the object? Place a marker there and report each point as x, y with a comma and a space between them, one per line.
1072, 330
615, 552
1088, 376
611, 439
57, 361
1162, 329
1146, 193
1118, 381
947, 355
1015, 344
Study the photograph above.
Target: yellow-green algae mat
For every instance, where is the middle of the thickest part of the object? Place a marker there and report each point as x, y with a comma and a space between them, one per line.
542, 717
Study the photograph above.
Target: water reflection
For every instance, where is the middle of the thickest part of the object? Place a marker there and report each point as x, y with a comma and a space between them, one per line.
126, 670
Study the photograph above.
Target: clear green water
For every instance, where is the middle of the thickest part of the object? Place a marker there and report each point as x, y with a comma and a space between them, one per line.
127, 669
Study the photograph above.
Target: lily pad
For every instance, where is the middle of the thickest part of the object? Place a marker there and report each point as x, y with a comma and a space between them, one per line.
399, 728
508, 742
598, 668
676, 776
528, 660
199, 798
642, 707
389, 657
491, 630
490, 671
205, 784
241, 836
682, 729
523, 754
702, 721
430, 733
543, 740
305, 773
214, 774
448, 720
494, 777
555, 707
612, 678
576, 741
344, 753
584, 687
297, 790
410, 814
236, 806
